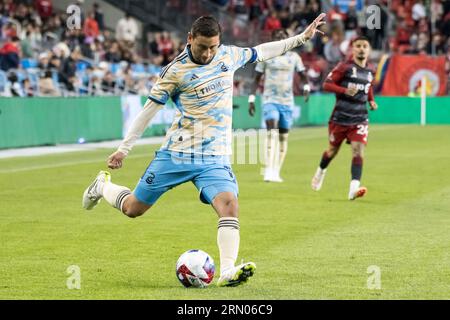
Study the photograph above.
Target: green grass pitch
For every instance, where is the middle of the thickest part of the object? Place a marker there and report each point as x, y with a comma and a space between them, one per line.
306, 245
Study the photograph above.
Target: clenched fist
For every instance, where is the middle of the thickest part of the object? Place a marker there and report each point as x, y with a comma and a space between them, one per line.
115, 160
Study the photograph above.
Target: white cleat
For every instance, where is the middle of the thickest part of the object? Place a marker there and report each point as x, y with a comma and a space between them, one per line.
268, 175
93, 194
360, 192
237, 275
317, 180
276, 177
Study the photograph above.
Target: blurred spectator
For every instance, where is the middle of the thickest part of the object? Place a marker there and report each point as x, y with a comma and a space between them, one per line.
335, 15
44, 61
418, 11
165, 47
351, 21
285, 18
239, 8
95, 88
438, 44
10, 54
113, 54
10, 30
44, 8
332, 49
68, 70
98, 15
46, 85
9, 5
153, 39
91, 28
300, 16
272, 22
403, 32
25, 46
312, 11
127, 29
256, 8
108, 83
13, 87
27, 88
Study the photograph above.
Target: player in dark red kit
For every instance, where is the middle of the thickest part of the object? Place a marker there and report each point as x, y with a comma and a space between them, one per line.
352, 82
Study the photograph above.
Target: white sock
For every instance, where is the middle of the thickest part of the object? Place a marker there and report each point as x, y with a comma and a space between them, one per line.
268, 150
354, 185
228, 242
320, 170
283, 149
115, 195
272, 147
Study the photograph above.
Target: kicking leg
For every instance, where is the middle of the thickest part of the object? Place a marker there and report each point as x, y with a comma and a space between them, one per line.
117, 196
226, 206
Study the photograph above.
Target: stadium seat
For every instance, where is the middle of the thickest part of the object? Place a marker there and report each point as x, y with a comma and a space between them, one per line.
29, 63
138, 68
82, 65
153, 70
114, 67
3, 81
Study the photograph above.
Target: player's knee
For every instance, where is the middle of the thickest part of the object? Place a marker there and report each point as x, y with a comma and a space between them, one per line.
134, 209
357, 152
134, 213
229, 208
270, 124
233, 208
332, 152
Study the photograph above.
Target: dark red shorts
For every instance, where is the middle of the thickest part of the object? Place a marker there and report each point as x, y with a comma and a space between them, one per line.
337, 133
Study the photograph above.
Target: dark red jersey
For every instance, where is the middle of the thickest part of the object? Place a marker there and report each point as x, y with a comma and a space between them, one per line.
350, 110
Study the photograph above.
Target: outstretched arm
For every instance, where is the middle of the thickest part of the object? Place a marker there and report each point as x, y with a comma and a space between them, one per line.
138, 126
269, 50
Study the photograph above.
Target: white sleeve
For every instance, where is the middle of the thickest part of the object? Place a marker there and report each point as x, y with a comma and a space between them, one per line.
260, 67
140, 123
269, 50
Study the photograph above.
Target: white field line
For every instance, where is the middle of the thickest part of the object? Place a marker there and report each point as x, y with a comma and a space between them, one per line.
92, 147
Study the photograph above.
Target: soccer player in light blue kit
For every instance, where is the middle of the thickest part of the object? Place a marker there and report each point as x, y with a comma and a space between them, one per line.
278, 102
198, 145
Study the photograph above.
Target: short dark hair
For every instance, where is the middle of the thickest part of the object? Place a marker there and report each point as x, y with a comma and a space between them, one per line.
206, 26
362, 38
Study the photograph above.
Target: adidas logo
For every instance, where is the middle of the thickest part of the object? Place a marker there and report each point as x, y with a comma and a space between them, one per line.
194, 76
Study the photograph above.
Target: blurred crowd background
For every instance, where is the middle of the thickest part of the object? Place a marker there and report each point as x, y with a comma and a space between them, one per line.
41, 56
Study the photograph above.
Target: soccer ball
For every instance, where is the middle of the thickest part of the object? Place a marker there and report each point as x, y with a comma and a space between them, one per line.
195, 268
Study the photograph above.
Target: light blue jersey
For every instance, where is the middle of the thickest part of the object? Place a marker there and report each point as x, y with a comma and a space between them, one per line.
198, 144
203, 97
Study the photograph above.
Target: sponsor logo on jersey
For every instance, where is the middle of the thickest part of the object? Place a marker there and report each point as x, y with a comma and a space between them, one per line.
359, 86
211, 87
